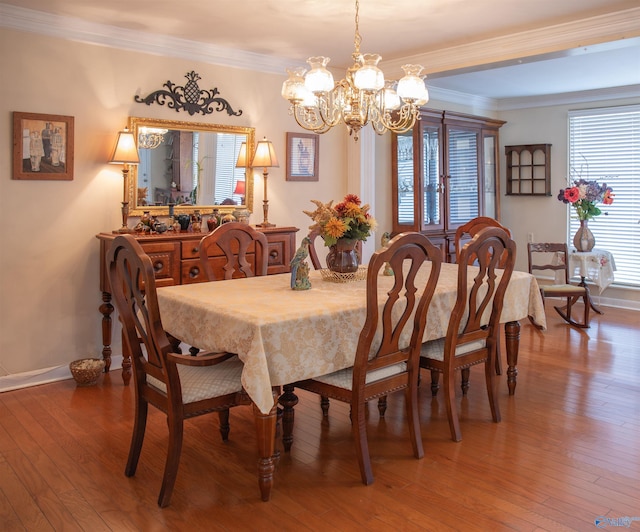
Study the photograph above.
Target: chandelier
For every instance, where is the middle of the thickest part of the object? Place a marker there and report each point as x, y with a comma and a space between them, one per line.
364, 96
150, 138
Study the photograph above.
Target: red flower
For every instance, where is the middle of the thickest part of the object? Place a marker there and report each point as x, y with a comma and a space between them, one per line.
572, 194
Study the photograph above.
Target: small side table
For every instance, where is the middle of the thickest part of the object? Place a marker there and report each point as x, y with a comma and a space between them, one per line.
596, 265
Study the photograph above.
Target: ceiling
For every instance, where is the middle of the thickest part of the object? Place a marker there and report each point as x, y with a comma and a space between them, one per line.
496, 49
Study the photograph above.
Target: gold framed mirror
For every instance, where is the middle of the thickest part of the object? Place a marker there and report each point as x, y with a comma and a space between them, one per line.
189, 165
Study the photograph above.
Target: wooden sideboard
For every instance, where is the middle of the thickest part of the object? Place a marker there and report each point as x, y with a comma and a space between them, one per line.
175, 260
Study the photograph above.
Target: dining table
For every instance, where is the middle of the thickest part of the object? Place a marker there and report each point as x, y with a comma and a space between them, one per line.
283, 336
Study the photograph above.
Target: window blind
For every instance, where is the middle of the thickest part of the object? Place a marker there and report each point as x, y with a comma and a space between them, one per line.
604, 144
463, 171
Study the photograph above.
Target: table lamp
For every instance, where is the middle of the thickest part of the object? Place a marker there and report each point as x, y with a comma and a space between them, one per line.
241, 163
265, 156
240, 190
125, 153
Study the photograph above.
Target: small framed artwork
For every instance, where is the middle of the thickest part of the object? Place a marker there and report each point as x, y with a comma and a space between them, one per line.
302, 157
42, 147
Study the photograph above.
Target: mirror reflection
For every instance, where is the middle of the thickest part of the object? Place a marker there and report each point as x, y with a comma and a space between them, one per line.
189, 165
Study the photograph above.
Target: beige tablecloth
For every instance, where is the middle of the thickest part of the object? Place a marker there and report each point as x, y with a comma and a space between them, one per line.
283, 335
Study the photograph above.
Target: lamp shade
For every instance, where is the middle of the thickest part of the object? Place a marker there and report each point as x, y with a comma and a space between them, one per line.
265, 155
242, 156
125, 151
239, 187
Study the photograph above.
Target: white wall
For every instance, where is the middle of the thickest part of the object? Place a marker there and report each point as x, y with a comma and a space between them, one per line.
49, 294
545, 216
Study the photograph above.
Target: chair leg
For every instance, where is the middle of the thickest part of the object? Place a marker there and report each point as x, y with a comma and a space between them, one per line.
452, 411
359, 428
137, 437
491, 392
498, 359
324, 404
224, 423
465, 380
173, 460
435, 376
565, 312
411, 401
587, 305
382, 405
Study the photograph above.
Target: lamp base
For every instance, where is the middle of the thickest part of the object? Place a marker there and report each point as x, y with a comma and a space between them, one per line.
265, 224
123, 231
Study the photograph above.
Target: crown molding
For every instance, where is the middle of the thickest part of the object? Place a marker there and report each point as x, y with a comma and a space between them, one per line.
568, 98
74, 29
532, 44
560, 38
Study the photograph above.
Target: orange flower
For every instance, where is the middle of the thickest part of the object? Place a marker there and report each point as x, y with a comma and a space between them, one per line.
608, 197
335, 227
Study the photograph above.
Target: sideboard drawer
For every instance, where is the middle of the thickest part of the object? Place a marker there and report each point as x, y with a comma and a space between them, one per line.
165, 257
192, 272
190, 249
280, 253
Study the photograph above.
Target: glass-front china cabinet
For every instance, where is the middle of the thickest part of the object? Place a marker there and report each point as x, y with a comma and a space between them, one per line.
445, 172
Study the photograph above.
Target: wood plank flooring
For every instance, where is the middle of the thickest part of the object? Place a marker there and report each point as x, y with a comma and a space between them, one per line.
566, 453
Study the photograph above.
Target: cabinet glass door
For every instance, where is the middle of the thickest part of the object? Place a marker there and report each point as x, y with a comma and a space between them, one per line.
490, 177
431, 187
461, 185
405, 175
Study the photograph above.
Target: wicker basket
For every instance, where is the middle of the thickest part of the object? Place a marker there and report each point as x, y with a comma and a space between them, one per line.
335, 277
86, 371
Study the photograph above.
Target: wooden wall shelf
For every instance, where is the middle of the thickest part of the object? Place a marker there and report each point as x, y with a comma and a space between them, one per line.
528, 170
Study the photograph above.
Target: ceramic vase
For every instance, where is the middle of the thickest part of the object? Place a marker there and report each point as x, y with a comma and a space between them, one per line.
342, 256
584, 240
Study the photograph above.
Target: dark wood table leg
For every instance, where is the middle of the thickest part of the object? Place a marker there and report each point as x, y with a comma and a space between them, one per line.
288, 400
512, 335
106, 309
266, 435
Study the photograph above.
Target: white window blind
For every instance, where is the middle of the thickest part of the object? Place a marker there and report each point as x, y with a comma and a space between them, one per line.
604, 144
463, 172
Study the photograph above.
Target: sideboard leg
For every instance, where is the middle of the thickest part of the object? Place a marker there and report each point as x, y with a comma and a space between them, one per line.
512, 335
106, 309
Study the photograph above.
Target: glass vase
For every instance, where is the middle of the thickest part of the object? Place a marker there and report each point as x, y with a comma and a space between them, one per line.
342, 256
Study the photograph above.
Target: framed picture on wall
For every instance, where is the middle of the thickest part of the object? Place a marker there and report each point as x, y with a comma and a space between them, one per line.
42, 147
302, 157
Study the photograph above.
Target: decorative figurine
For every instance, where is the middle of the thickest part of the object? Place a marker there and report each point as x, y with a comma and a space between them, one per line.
300, 268
384, 241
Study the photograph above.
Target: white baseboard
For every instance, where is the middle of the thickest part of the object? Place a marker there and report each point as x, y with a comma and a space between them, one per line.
44, 376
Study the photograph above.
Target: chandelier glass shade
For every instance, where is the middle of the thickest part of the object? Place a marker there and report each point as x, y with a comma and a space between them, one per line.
362, 97
150, 138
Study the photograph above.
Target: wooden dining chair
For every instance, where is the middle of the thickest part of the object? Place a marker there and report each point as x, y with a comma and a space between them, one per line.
313, 254
474, 327
467, 231
180, 386
386, 358
554, 257
245, 252
463, 234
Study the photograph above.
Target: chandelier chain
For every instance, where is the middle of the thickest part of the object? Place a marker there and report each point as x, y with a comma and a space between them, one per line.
357, 39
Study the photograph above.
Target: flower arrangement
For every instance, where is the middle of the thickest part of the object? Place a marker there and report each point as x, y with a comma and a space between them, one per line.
348, 219
584, 195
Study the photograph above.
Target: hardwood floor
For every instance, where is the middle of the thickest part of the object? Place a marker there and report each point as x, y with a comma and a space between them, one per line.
566, 452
